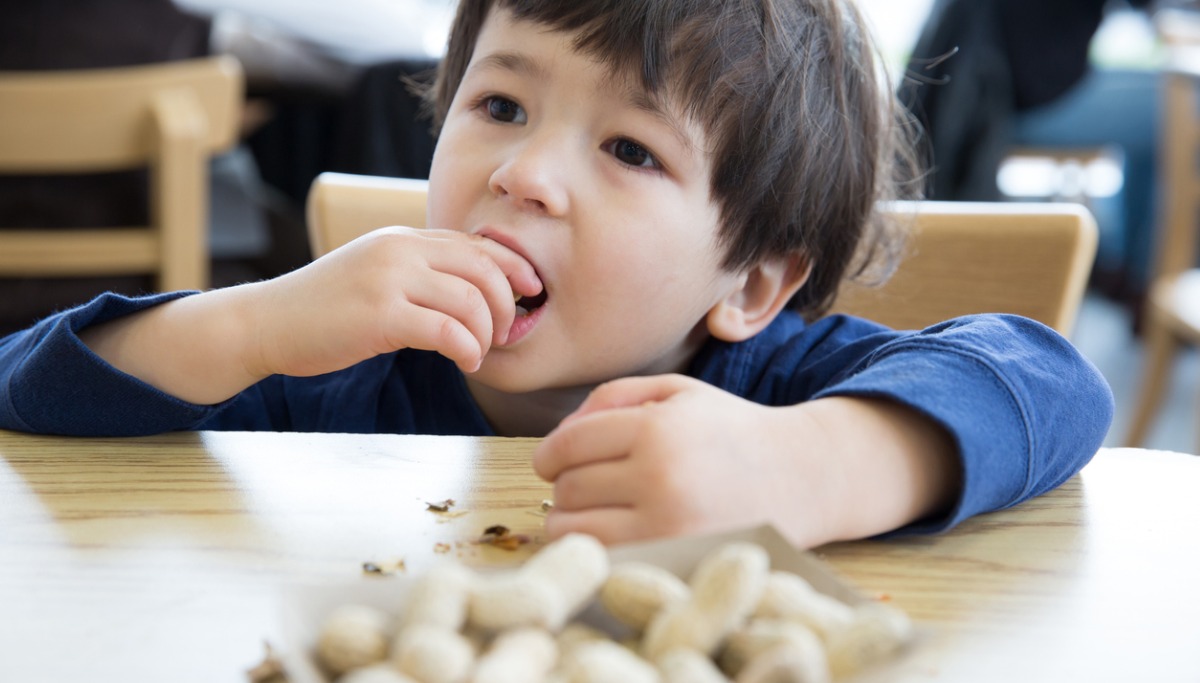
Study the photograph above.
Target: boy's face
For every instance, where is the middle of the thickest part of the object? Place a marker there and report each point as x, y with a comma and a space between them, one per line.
606, 195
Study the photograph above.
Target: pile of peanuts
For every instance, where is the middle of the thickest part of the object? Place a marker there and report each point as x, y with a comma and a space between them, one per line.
734, 620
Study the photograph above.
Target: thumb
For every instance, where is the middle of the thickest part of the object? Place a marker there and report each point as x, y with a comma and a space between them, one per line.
632, 391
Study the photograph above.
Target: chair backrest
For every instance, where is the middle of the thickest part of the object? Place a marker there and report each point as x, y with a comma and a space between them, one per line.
1179, 233
170, 118
1029, 259
342, 206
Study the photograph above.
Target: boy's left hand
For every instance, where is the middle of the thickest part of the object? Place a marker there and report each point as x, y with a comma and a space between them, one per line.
669, 455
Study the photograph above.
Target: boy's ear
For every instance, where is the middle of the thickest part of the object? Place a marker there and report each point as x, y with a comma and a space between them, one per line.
764, 291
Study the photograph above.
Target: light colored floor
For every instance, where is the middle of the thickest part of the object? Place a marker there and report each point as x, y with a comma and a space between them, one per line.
1103, 334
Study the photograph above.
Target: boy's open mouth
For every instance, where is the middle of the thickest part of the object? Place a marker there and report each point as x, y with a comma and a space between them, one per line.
528, 304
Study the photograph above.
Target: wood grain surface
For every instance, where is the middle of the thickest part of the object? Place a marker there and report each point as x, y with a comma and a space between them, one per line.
161, 558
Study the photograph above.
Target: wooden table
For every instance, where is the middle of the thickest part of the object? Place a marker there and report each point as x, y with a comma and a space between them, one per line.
159, 559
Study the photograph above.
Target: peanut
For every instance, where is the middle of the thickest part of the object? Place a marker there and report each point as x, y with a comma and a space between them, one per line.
546, 591
607, 662
682, 665
353, 636
576, 633
785, 664
636, 591
433, 654
788, 596
876, 632
759, 636
725, 588
522, 655
440, 597
375, 673
772, 650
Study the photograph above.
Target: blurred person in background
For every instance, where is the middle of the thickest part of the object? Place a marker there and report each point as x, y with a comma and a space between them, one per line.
989, 76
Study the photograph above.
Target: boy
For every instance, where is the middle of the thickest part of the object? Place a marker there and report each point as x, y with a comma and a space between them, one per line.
656, 183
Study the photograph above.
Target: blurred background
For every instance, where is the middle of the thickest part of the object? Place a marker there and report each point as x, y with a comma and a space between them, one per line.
1092, 137
1044, 101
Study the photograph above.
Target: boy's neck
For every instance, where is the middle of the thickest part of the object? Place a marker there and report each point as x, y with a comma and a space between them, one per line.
531, 414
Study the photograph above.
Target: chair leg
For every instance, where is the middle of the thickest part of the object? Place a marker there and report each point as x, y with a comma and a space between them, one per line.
1160, 350
1197, 446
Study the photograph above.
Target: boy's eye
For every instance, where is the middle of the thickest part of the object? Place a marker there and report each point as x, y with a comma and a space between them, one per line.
630, 152
504, 110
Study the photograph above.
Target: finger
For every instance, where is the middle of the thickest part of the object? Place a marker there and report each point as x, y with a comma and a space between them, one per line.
432, 330
631, 391
458, 298
601, 437
486, 265
470, 278
519, 272
515, 269
603, 484
609, 525
521, 277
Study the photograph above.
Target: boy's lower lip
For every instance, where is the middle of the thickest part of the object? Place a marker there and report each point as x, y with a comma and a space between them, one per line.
522, 325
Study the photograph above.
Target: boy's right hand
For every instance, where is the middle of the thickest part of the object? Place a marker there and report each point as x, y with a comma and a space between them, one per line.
394, 288
390, 289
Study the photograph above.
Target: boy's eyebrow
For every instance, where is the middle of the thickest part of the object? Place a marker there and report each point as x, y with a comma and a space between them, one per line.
511, 61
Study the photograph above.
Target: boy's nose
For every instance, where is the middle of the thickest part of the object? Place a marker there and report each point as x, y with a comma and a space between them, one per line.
534, 178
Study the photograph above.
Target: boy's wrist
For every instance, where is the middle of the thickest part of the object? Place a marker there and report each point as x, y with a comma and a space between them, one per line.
807, 490
251, 322
218, 334
885, 465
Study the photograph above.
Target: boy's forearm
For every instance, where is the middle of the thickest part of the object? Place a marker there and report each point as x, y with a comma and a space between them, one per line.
887, 465
199, 348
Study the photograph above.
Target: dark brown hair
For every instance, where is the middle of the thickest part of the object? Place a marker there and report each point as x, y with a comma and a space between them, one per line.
806, 138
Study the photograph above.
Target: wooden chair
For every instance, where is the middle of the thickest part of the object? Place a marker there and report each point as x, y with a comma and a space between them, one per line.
1031, 259
342, 206
1171, 319
169, 118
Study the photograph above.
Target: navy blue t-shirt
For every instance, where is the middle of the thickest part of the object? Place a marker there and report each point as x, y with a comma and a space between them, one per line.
1025, 409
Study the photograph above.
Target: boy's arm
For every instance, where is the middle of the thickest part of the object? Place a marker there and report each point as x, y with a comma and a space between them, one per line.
895, 466
51, 383
918, 431
169, 357
392, 289
194, 348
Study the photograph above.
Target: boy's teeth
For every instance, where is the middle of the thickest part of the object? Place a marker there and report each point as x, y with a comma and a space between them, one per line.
522, 312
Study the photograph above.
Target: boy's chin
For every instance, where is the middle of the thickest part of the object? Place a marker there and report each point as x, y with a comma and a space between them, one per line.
505, 376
